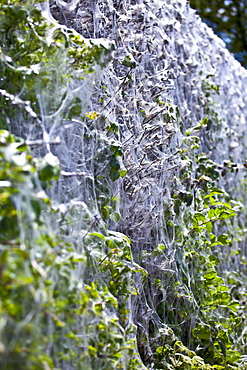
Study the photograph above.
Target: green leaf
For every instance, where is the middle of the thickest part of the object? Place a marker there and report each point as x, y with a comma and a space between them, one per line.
115, 216
119, 236
224, 239
215, 191
122, 173
232, 356
202, 331
215, 260
101, 236
210, 274
114, 168
129, 61
199, 218
234, 305
209, 227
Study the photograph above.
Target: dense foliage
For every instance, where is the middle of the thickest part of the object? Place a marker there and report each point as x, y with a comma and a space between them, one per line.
50, 316
67, 292
228, 18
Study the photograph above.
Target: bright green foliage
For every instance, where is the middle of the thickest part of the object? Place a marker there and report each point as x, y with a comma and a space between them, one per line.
201, 303
49, 316
209, 210
27, 302
36, 56
228, 18
117, 268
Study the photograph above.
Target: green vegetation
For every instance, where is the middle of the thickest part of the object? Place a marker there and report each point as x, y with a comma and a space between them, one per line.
228, 18
50, 317
205, 305
66, 296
